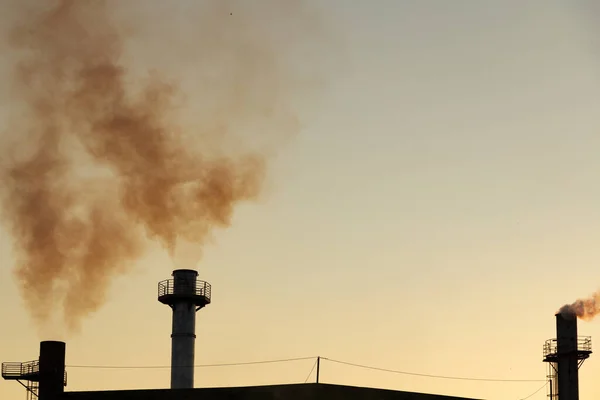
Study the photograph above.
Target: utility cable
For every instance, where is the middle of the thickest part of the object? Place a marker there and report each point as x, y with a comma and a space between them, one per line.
195, 366
311, 371
306, 358
429, 375
534, 393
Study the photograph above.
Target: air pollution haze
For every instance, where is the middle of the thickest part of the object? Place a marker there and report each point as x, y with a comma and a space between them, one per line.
97, 163
585, 309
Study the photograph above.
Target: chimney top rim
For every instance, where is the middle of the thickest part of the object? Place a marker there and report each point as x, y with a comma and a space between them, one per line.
185, 271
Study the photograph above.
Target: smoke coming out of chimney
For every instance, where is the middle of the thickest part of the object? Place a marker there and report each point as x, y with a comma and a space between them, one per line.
585, 309
96, 160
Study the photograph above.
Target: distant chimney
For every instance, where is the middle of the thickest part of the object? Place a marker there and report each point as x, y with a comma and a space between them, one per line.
565, 354
185, 295
568, 363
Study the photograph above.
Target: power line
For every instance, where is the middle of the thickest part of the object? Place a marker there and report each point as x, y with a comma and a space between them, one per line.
534, 393
195, 366
431, 376
311, 371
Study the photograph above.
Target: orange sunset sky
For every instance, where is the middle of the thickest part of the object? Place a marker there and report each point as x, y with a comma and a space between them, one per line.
438, 202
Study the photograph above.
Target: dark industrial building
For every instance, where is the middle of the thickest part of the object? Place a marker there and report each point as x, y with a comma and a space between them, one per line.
46, 377
289, 392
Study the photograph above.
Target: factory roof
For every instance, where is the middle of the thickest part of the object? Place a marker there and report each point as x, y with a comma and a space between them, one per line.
317, 391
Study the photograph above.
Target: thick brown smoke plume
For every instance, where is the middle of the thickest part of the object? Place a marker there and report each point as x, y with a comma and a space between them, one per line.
96, 162
585, 309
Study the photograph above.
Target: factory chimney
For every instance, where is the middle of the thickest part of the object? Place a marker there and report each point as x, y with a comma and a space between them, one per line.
185, 295
44, 378
565, 355
52, 370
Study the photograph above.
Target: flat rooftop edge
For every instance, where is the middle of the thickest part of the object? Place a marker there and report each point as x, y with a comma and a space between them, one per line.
296, 386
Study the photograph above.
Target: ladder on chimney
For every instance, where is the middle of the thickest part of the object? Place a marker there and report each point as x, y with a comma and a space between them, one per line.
552, 381
32, 389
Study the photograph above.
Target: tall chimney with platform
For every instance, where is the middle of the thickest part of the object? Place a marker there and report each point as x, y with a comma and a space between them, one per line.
564, 356
185, 295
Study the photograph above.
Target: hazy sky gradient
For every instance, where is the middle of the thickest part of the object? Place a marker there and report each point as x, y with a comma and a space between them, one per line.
441, 203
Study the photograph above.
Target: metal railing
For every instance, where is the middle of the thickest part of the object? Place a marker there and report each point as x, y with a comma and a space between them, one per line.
28, 370
183, 287
16, 370
584, 344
